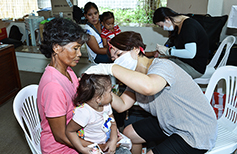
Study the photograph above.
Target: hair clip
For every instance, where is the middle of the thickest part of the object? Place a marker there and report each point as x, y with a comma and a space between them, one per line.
110, 46
142, 50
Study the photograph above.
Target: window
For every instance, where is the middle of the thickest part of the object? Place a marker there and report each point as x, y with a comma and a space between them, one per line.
132, 12
17, 8
138, 12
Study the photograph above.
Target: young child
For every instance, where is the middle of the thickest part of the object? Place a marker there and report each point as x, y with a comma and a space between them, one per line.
109, 30
93, 114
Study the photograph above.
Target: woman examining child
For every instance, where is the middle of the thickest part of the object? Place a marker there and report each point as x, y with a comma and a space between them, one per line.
184, 121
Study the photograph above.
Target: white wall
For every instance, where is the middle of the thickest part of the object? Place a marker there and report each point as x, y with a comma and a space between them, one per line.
188, 6
219, 8
150, 35
36, 62
214, 7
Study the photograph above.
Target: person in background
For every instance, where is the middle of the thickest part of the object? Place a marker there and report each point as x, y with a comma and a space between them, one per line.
95, 48
97, 124
189, 41
183, 120
62, 42
109, 30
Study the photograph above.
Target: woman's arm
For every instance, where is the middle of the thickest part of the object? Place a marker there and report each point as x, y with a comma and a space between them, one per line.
151, 54
124, 102
92, 43
189, 52
105, 44
71, 132
139, 82
58, 128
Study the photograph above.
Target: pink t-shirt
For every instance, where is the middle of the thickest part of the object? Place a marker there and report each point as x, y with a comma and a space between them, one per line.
54, 99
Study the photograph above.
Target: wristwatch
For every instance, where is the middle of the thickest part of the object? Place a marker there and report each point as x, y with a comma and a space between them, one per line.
169, 51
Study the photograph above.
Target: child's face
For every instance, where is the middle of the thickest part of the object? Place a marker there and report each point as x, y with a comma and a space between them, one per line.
107, 96
109, 24
92, 16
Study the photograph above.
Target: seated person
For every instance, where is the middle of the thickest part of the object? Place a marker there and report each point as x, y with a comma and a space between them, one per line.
58, 83
96, 50
190, 45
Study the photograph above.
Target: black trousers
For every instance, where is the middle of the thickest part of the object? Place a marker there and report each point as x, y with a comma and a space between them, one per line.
150, 131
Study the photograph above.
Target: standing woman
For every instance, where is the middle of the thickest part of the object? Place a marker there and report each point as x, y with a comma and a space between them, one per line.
96, 50
184, 121
62, 42
190, 42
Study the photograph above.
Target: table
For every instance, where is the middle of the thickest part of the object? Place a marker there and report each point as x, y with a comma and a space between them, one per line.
9, 77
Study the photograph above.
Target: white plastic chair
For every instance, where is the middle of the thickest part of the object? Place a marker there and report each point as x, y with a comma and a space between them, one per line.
226, 142
210, 69
26, 113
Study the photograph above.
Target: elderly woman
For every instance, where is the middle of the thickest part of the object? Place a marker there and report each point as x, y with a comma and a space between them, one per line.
58, 85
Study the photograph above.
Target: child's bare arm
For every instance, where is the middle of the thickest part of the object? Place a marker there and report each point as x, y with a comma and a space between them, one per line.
71, 132
92, 43
105, 42
112, 142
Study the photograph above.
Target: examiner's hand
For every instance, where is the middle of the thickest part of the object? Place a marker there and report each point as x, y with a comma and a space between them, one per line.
156, 54
163, 50
105, 69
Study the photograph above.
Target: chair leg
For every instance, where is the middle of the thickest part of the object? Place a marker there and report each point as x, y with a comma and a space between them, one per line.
221, 87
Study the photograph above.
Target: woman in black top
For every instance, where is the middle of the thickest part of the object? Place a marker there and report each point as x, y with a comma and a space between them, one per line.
189, 42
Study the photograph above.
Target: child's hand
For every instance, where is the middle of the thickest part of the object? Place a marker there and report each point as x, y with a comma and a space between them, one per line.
102, 146
86, 150
156, 54
119, 136
110, 147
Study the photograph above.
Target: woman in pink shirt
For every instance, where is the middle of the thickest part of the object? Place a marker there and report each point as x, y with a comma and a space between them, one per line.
62, 42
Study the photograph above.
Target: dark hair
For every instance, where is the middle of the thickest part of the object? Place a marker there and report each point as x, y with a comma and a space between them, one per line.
91, 85
88, 6
127, 41
106, 15
61, 31
161, 14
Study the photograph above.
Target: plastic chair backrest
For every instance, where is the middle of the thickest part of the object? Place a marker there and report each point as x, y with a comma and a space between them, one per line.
26, 113
89, 55
229, 74
228, 42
